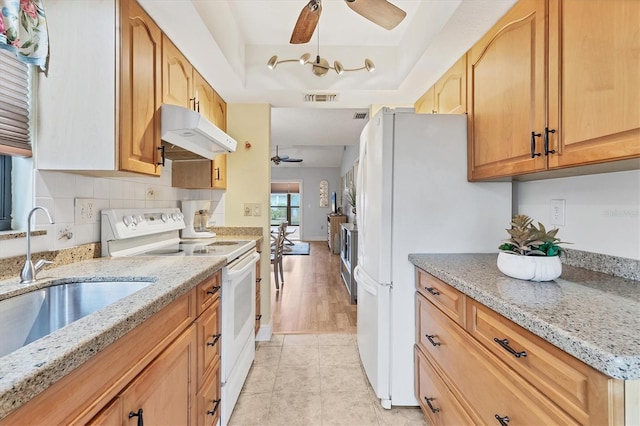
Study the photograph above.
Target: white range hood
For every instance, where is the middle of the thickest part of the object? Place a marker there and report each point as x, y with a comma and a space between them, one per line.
189, 130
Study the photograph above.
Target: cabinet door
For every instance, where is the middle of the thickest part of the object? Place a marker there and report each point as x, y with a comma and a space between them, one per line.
219, 172
140, 90
110, 415
506, 89
164, 391
451, 89
220, 112
177, 76
205, 96
594, 90
426, 104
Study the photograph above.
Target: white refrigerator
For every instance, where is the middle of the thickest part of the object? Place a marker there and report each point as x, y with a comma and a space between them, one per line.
413, 197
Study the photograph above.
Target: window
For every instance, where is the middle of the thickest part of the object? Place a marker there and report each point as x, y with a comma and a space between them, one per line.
15, 125
285, 208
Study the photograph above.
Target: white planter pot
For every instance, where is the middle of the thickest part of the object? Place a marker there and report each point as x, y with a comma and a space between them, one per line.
532, 268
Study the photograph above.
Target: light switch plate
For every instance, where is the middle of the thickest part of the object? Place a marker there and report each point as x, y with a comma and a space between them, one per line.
558, 212
257, 209
248, 209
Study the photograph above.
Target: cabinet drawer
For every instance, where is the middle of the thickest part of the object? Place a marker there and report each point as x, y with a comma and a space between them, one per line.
208, 399
444, 409
482, 380
573, 385
441, 294
208, 291
208, 325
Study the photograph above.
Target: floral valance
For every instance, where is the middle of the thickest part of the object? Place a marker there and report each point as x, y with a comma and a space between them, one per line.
23, 30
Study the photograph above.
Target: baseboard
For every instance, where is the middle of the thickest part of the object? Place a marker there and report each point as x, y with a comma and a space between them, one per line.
264, 333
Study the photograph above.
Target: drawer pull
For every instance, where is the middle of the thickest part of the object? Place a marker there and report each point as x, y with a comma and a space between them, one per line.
431, 407
213, 290
432, 291
505, 344
504, 421
216, 337
258, 280
216, 404
138, 414
430, 337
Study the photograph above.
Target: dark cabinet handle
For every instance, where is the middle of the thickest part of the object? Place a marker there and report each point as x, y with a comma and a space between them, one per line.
196, 104
138, 415
546, 141
258, 280
432, 291
162, 157
216, 404
258, 317
430, 337
504, 421
505, 345
217, 169
213, 290
431, 407
216, 337
534, 135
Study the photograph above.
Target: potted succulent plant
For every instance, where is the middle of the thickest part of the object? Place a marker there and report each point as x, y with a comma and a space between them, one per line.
351, 198
532, 253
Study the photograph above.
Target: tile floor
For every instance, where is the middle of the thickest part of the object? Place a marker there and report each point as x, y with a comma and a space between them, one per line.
309, 379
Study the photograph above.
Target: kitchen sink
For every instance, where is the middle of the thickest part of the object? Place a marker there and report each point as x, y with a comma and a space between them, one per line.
30, 316
224, 243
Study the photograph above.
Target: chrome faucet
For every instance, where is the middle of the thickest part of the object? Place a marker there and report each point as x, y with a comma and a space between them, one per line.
29, 270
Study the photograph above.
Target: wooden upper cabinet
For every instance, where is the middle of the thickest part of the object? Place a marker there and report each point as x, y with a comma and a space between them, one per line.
594, 89
140, 90
220, 114
450, 91
177, 76
219, 172
426, 103
205, 96
506, 87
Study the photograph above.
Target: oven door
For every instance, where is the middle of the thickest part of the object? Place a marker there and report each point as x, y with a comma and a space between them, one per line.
238, 310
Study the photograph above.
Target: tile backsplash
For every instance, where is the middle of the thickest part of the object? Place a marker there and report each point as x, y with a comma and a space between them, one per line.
57, 191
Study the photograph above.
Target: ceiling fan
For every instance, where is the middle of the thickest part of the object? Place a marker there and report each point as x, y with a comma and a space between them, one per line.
380, 12
277, 159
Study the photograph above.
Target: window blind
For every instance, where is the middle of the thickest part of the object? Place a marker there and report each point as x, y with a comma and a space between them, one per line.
15, 129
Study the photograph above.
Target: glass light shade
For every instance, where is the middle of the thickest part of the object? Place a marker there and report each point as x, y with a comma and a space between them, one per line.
369, 65
338, 67
304, 58
273, 61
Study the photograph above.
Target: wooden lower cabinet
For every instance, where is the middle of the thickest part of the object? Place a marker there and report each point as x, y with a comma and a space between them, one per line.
208, 399
160, 367
471, 378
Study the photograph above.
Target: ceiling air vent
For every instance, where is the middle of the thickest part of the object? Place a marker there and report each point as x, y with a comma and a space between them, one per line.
359, 115
321, 97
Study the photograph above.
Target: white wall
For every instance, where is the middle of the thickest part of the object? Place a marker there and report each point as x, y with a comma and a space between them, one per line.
314, 217
602, 211
57, 191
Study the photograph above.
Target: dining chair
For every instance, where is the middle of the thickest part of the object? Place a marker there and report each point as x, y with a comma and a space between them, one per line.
277, 249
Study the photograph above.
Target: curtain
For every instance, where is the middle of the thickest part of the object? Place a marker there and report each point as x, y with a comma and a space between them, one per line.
23, 30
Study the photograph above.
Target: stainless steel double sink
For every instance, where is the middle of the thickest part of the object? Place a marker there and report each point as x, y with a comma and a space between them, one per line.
31, 316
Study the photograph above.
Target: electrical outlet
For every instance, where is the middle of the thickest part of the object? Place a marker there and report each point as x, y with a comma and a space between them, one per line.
85, 211
257, 209
248, 209
557, 212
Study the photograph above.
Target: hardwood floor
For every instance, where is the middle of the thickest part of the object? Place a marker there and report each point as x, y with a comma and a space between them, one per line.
314, 299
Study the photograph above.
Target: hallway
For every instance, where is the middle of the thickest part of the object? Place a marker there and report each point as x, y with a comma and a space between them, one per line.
314, 298
309, 373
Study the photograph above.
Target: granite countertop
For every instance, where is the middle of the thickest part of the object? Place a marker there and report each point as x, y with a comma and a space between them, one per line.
593, 316
31, 369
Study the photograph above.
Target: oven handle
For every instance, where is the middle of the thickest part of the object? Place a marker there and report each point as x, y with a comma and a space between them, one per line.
234, 269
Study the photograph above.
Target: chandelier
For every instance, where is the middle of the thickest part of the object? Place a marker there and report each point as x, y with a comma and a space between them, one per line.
320, 66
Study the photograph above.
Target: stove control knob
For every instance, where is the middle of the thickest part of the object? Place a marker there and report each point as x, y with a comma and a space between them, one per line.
138, 219
164, 217
175, 217
127, 220
180, 215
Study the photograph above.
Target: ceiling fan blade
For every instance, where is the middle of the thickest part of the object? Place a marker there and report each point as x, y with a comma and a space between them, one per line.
284, 157
307, 22
380, 12
291, 160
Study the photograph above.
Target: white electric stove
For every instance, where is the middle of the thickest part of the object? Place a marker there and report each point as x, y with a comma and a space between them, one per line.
156, 232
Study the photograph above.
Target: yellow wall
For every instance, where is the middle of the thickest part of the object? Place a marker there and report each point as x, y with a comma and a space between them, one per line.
249, 181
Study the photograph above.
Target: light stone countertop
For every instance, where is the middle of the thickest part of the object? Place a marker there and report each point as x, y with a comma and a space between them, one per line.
593, 316
31, 369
